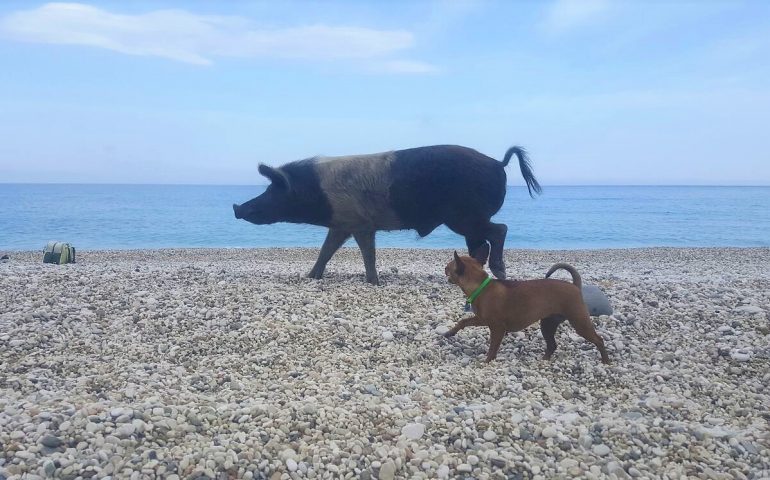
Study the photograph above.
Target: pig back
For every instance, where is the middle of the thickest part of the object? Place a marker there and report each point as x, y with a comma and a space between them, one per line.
442, 184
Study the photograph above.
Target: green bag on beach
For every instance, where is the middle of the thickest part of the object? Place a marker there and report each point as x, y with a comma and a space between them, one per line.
59, 252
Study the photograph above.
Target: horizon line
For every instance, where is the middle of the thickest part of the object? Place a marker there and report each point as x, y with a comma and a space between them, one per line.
507, 185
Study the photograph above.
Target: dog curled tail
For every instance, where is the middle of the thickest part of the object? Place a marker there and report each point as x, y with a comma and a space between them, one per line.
565, 266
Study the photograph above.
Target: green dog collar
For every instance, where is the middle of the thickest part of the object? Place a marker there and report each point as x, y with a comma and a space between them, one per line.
478, 290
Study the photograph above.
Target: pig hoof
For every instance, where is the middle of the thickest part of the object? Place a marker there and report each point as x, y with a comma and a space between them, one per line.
315, 275
373, 281
498, 271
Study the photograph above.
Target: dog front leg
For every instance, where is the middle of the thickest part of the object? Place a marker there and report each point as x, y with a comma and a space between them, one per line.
473, 321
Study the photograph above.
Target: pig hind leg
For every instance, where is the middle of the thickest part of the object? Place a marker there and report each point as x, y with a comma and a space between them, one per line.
476, 235
495, 233
478, 248
334, 240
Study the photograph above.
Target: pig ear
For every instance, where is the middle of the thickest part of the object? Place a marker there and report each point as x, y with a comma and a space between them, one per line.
459, 265
275, 175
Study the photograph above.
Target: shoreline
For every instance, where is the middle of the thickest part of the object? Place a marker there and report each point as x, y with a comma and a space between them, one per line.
206, 362
431, 249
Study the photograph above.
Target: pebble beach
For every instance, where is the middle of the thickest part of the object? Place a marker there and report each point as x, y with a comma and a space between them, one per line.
229, 363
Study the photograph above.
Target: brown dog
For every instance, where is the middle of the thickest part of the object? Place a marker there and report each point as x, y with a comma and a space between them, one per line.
510, 306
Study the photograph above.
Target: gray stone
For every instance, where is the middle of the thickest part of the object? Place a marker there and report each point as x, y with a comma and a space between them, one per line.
371, 390
51, 441
633, 415
125, 430
750, 447
749, 309
596, 301
614, 468
49, 468
498, 462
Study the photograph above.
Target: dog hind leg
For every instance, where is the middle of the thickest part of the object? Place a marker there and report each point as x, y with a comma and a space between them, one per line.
548, 327
582, 324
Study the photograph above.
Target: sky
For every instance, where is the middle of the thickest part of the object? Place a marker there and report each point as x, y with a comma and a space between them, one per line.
599, 92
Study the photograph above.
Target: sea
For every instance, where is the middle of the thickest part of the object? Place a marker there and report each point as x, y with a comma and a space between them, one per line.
96, 217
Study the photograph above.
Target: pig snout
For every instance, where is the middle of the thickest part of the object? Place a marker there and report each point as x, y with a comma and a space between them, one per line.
236, 211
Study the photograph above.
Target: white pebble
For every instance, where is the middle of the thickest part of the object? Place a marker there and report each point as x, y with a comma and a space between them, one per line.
464, 468
442, 471
413, 431
549, 432
442, 329
601, 450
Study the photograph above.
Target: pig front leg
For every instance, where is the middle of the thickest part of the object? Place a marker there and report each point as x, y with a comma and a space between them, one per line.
365, 242
334, 240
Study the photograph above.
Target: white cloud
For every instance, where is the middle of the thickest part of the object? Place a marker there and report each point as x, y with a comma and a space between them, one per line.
564, 15
403, 67
741, 47
198, 39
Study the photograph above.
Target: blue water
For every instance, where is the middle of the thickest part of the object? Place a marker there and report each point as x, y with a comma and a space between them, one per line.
156, 216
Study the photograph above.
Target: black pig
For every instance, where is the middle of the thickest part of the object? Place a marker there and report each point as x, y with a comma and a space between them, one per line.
418, 188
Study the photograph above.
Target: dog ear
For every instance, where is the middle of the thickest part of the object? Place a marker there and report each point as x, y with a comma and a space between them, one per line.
481, 254
459, 265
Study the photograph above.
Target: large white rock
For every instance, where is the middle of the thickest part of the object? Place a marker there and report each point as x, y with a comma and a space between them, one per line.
442, 329
413, 431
